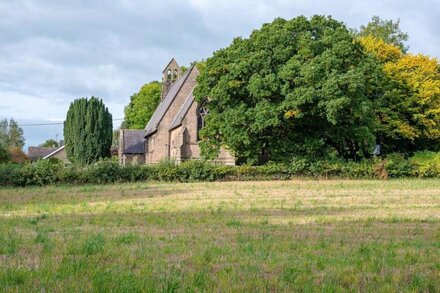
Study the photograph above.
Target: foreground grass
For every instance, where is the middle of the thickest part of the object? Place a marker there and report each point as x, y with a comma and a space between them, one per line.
231, 236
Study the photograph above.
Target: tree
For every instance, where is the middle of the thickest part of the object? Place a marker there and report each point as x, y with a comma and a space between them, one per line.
17, 156
50, 143
4, 137
88, 131
385, 30
4, 154
409, 108
381, 50
142, 106
297, 87
11, 135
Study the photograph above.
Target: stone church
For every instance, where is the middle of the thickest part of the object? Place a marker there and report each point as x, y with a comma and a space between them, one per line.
173, 130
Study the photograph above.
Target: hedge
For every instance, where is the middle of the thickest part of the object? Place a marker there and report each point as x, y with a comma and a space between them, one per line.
422, 164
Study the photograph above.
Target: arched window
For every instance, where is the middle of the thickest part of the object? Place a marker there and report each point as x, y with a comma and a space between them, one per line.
169, 74
175, 74
202, 112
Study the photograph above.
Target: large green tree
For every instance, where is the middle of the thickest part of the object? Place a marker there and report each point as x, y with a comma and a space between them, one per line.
142, 106
409, 109
88, 131
386, 30
11, 134
295, 87
4, 154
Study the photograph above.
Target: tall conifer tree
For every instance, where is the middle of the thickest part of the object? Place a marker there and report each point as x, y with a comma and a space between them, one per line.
88, 131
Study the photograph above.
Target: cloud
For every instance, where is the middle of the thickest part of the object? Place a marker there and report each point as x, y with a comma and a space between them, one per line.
55, 51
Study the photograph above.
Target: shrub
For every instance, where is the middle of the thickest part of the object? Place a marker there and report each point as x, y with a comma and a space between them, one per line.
103, 171
44, 172
71, 174
225, 172
246, 172
317, 168
166, 170
398, 166
41, 173
426, 164
7, 172
274, 171
355, 170
298, 166
197, 171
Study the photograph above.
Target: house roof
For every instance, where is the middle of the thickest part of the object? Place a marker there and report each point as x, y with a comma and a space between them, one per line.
182, 112
53, 152
39, 152
165, 104
134, 142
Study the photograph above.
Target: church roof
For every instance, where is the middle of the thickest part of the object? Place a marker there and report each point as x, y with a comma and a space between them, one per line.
165, 104
182, 112
134, 142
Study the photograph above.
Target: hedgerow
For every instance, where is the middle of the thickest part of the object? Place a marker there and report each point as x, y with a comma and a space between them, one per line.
422, 164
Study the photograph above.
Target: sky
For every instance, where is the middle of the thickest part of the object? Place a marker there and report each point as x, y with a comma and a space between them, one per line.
52, 52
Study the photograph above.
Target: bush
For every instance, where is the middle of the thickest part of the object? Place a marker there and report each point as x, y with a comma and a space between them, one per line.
71, 174
166, 170
274, 171
103, 171
398, 166
246, 172
197, 171
422, 164
298, 166
7, 172
43, 172
426, 164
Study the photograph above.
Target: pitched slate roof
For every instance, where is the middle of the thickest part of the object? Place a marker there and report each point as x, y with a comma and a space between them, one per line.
53, 152
182, 112
134, 142
35, 153
165, 104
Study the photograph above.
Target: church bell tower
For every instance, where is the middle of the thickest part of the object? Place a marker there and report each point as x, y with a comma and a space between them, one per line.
171, 73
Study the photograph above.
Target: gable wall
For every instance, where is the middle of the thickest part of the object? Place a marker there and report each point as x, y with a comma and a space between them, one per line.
61, 155
158, 145
190, 148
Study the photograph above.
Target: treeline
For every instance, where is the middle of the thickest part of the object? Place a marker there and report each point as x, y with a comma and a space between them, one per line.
314, 88
47, 172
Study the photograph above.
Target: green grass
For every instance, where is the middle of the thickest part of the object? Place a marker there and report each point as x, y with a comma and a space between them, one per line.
232, 236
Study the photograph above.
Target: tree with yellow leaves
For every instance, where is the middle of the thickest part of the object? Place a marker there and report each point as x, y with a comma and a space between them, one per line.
409, 109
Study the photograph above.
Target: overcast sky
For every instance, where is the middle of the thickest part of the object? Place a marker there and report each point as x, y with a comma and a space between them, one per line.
52, 52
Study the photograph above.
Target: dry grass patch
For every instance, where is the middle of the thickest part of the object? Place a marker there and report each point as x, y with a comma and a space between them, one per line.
232, 236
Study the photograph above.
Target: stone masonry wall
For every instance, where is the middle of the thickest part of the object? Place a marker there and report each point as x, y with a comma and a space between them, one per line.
160, 142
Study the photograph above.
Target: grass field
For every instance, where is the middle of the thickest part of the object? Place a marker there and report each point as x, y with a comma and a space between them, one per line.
230, 236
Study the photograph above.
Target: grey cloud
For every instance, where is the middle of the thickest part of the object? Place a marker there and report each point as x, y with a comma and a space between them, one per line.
55, 51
